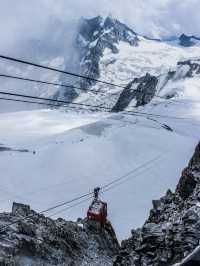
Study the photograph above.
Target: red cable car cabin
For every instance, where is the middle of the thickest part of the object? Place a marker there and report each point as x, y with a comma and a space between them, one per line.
98, 209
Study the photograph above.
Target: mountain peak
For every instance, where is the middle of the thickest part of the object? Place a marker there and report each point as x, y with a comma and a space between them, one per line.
91, 27
97, 34
188, 40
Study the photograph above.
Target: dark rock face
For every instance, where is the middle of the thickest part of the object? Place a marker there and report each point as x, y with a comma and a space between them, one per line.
6, 149
185, 40
189, 179
187, 184
188, 41
94, 36
141, 89
172, 230
39, 240
193, 67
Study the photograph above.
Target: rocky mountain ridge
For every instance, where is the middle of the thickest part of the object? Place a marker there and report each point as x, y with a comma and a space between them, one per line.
106, 49
94, 36
142, 90
30, 238
109, 50
170, 234
188, 40
172, 230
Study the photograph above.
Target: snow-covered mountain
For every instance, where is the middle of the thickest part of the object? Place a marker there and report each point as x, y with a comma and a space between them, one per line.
49, 156
124, 57
142, 90
104, 48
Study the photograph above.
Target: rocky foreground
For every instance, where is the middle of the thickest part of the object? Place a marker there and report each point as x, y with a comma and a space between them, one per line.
172, 230
171, 233
39, 240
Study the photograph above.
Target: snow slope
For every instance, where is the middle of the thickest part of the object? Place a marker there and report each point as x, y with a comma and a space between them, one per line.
74, 152
150, 56
49, 156
153, 57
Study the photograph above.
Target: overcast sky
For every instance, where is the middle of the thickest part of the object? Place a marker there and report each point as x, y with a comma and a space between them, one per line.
23, 20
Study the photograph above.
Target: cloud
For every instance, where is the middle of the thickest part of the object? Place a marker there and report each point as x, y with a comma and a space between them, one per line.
44, 29
46, 20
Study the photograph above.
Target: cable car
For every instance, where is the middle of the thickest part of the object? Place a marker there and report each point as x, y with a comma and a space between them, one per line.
98, 209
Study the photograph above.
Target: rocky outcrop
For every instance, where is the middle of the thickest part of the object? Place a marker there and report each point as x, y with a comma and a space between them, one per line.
188, 41
171, 233
94, 36
29, 238
4, 148
193, 67
142, 90
172, 230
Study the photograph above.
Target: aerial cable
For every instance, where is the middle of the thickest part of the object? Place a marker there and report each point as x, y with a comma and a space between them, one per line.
86, 89
50, 83
43, 103
53, 100
112, 184
131, 172
46, 210
95, 106
17, 60
70, 207
26, 101
80, 197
